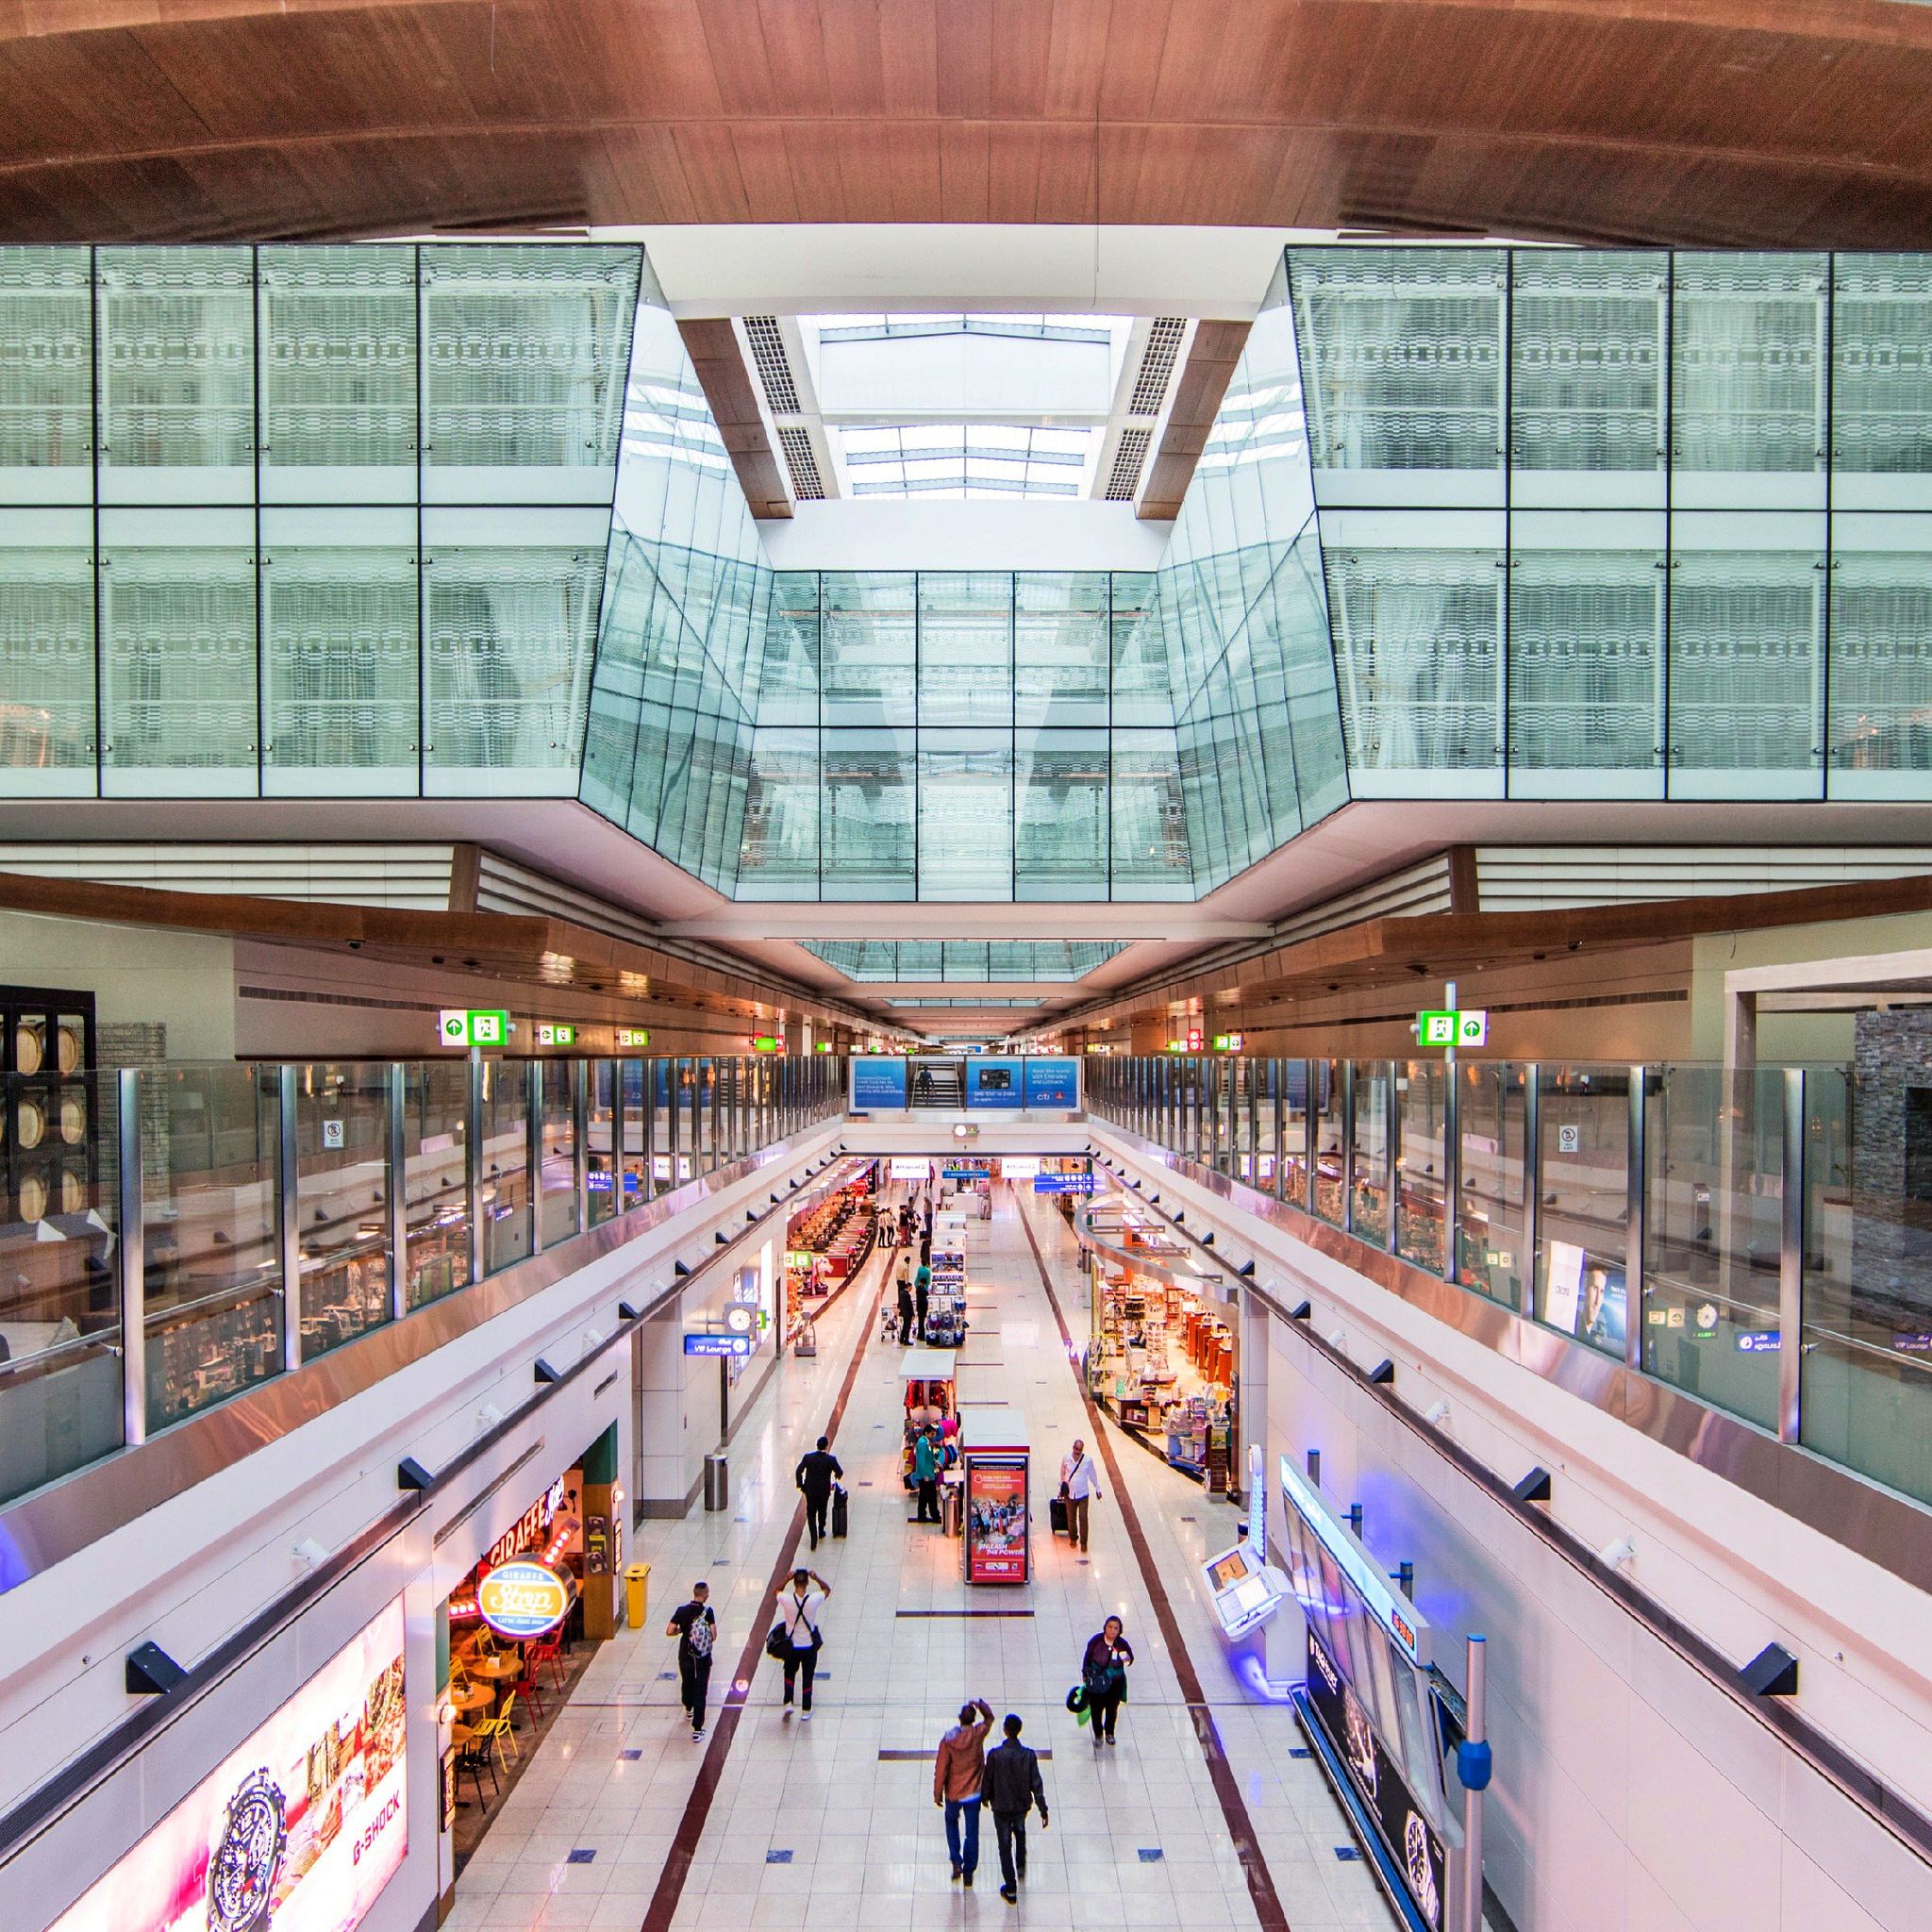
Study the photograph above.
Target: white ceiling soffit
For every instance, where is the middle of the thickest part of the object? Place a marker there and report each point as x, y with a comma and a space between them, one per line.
944, 533
773, 348
855, 268
1141, 400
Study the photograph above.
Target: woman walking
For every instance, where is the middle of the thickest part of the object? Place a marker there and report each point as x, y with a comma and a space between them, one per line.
1104, 1673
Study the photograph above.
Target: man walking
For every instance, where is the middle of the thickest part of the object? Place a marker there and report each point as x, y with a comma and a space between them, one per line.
957, 1768
925, 1473
815, 1475
1079, 1482
695, 1627
1011, 1785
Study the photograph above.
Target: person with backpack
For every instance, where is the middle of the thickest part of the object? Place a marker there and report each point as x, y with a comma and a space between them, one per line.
1103, 1674
814, 1477
957, 1767
695, 1627
1012, 1788
801, 1607
1079, 1483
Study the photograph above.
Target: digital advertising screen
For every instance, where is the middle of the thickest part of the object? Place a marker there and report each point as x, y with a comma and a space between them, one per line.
296, 1831
995, 1519
877, 1082
1053, 1082
993, 1083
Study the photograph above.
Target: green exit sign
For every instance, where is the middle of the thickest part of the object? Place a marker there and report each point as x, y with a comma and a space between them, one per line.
1452, 1027
766, 1042
462, 1026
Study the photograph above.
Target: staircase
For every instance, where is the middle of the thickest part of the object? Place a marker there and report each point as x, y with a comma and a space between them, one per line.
934, 1083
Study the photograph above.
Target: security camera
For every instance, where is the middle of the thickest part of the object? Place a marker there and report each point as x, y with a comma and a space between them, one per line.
1437, 1413
488, 1416
309, 1554
1618, 1555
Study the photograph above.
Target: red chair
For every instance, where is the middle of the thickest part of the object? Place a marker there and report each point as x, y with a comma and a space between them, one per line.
526, 1685
548, 1651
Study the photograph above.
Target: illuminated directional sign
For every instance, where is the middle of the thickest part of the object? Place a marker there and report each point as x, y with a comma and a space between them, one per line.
632, 1036
1452, 1027
549, 1034
459, 1027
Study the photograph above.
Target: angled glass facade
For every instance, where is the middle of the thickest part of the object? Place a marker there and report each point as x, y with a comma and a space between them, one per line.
974, 960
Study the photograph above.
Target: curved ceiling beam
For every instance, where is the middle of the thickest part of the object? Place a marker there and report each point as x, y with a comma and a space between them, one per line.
1781, 122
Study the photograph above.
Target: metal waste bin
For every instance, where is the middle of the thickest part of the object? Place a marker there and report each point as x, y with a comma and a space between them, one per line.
637, 1595
717, 1481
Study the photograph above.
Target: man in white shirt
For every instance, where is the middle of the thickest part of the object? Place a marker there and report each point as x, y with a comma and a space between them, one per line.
1079, 1480
801, 1607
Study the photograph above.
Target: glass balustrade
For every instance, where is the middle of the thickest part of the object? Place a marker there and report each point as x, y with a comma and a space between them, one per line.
1757, 1239
275, 1213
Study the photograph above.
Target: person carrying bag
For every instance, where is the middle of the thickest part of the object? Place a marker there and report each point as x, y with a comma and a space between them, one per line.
795, 1640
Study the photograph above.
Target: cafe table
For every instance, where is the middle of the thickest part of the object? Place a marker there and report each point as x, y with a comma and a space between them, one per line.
476, 1697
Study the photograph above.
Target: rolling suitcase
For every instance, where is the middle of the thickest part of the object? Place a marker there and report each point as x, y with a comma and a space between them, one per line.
1057, 1516
839, 1512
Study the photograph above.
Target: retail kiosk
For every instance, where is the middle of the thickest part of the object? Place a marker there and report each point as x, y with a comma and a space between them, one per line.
997, 1544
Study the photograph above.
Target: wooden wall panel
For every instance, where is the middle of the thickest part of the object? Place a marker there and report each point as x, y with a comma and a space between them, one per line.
1202, 381
1776, 123
727, 385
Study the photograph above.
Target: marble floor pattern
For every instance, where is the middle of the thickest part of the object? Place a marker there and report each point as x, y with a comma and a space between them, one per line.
806, 1826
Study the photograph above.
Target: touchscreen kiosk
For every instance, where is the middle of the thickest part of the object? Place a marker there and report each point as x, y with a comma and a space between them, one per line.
1242, 1593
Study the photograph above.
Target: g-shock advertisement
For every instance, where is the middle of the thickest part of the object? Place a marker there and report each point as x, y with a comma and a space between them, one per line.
297, 1831
1410, 1841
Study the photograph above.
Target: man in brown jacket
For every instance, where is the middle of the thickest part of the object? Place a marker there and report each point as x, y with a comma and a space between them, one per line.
957, 1768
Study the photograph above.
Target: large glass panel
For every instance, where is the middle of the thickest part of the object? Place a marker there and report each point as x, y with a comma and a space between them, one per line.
788, 681
1330, 1193
965, 647
556, 1173
965, 815
1418, 647
603, 1134
1881, 379
1314, 711
1587, 343
868, 834
506, 1166
340, 663
636, 1082
1369, 1175
177, 364
1490, 1230
1142, 677
1747, 368
1880, 724
510, 634
1401, 358
178, 669
342, 1193
1294, 1131
436, 1187
1713, 1208
1582, 1236
60, 1307
1867, 1356
46, 374
868, 630
1422, 1099
778, 856
209, 1223
338, 370
524, 350
1746, 698
46, 656
1060, 648
1586, 661
1061, 815
1150, 854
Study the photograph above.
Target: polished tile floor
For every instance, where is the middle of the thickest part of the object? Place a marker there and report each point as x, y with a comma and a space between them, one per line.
787, 1825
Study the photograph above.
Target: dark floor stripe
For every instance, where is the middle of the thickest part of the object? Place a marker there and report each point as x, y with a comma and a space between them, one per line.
962, 1613
1267, 1901
697, 1807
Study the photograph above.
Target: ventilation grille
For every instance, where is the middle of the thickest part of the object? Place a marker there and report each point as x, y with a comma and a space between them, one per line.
1129, 456
410, 876
1157, 364
1542, 878
1413, 892
806, 483
774, 365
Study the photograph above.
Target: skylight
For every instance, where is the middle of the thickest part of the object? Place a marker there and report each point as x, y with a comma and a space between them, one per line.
969, 459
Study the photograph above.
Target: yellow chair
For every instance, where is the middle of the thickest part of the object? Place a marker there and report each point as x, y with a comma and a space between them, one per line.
494, 1730
505, 1717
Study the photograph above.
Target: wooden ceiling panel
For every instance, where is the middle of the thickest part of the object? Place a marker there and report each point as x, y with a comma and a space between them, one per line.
1779, 123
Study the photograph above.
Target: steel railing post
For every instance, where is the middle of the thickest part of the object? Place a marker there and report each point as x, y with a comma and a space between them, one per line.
1532, 1187
1790, 1270
580, 1140
289, 1215
398, 1192
129, 1213
1637, 1181
472, 1165
1452, 1170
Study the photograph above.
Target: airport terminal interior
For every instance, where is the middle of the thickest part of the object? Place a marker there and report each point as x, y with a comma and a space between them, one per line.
966, 963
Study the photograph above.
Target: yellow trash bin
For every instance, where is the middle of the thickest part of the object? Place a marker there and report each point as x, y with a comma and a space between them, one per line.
637, 1589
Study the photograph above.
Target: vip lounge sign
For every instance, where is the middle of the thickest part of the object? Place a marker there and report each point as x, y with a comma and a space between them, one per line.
523, 1599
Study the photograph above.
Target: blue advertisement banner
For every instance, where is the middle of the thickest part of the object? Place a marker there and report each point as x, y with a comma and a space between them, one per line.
1063, 1184
1053, 1083
995, 1083
877, 1082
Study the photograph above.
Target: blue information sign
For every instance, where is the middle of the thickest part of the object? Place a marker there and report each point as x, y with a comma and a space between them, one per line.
877, 1082
1053, 1083
717, 1344
1063, 1184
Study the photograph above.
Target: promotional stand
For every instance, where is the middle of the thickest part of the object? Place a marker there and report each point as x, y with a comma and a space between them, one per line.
998, 1545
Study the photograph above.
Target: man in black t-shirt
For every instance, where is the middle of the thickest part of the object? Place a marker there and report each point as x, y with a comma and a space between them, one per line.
815, 1475
695, 1627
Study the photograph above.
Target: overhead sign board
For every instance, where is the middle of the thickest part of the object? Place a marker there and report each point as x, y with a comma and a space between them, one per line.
551, 1034
1063, 1184
523, 1598
718, 1344
467, 1027
633, 1036
903, 1167
1452, 1027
